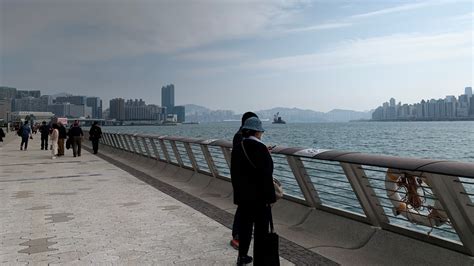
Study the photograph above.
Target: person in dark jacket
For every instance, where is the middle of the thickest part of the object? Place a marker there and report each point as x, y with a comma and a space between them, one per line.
44, 130
25, 133
62, 137
236, 141
76, 134
252, 181
2, 135
95, 133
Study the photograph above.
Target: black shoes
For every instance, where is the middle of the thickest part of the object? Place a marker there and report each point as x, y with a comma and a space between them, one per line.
244, 260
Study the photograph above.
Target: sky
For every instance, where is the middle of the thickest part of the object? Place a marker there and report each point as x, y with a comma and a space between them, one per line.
238, 54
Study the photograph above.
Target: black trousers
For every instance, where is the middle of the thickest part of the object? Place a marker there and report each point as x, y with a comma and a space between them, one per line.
257, 216
236, 224
95, 145
24, 140
44, 142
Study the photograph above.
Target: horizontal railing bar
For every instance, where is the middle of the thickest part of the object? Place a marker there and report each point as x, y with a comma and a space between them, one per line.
341, 203
372, 170
464, 182
328, 171
406, 220
425, 206
391, 190
345, 189
337, 195
333, 179
319, 162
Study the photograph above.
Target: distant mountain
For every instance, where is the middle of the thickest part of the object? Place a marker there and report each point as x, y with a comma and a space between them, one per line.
338, 115
291, 115
193, 109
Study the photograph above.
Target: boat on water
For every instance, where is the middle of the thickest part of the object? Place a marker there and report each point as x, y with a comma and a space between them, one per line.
277, 119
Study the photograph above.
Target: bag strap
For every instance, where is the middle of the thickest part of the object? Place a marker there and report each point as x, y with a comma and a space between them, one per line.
246, 155
272, 229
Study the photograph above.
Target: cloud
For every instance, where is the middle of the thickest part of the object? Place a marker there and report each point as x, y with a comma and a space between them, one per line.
377, 51
100, 30
219, 55
323, 26
397, 9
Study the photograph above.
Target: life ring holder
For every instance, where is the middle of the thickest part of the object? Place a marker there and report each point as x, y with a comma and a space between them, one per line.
409, 208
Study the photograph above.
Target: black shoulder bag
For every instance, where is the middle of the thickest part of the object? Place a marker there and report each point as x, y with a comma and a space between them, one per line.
271, 252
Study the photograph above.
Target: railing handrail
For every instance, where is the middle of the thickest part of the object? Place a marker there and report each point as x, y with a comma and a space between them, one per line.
356, 168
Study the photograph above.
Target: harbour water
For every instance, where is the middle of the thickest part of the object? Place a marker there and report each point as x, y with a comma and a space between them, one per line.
431, 140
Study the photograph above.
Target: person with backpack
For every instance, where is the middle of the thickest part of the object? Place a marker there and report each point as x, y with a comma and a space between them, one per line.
75, 134
25, 133
44, 130
95, 133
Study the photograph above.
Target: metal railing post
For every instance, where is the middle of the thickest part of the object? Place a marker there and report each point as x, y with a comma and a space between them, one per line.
304, 181
123, 138
164, 149
227, 155
365, 194
191, 156
155, 148
147, 149
453, 197
139, 146
108, 139
210, 162
103, 140
176, 153
121, 143
132, 144
115, 141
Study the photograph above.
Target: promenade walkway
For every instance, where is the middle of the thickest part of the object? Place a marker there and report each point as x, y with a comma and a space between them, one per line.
85, 210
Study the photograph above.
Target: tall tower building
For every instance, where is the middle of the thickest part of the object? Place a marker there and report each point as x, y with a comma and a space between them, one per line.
468, 91
167, 97
117, 109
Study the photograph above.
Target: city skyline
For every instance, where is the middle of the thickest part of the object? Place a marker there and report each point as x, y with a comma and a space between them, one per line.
317, 55
448, 108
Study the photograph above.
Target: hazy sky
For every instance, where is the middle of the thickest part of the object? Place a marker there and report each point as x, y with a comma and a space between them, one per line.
240, 55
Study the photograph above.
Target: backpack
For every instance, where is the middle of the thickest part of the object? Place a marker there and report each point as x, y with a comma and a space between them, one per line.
20, 131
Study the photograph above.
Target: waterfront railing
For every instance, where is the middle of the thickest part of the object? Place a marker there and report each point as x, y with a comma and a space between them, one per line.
429, 200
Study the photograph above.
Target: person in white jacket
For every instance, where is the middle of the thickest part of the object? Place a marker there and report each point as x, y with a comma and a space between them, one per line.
54, 141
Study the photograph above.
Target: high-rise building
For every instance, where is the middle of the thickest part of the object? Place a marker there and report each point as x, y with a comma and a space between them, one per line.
180, 111
96, 104
7, 93
24, 94
77, 100
468, 92
393, 102
117, 109
167, 97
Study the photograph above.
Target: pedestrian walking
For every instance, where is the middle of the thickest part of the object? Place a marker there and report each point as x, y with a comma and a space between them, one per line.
2, 135
44, 130
61, 139
76, 134
54, 141
236, 141
25, 133
95, 134
254, 192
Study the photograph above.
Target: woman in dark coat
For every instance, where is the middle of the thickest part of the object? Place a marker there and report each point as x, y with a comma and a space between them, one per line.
252, 181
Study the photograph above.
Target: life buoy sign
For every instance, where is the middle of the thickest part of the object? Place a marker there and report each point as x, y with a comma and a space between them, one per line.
404, 189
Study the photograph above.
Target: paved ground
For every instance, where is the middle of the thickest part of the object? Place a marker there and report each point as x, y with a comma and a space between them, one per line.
85, 210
